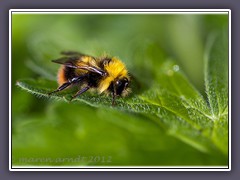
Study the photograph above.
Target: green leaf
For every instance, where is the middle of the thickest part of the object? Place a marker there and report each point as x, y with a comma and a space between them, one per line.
70, 131
216, 74
216, 81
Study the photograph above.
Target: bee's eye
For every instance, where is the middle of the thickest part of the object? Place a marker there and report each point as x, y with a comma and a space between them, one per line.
120, 85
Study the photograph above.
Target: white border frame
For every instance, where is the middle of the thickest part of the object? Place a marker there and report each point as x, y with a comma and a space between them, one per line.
116, 11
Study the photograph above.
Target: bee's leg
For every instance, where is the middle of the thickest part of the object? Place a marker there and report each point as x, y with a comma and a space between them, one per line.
62, 87
66, 84
113, 99
80, 92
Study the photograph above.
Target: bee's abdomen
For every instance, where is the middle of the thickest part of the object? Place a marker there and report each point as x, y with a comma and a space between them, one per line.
61, 75
64, 74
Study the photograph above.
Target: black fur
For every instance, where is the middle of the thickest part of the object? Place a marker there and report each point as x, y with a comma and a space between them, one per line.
69, 73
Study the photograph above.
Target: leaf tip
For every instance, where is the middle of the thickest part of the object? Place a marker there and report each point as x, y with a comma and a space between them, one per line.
17, 83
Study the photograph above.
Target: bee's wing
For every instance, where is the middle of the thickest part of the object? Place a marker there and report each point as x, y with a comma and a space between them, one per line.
68, 61
72, 62
73, 53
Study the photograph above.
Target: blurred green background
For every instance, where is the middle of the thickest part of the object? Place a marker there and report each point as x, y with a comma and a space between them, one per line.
43, 128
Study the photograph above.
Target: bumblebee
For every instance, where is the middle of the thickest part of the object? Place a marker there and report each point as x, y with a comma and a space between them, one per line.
106, 75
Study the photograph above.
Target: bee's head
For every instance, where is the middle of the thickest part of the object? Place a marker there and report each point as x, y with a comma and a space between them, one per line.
121, 86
